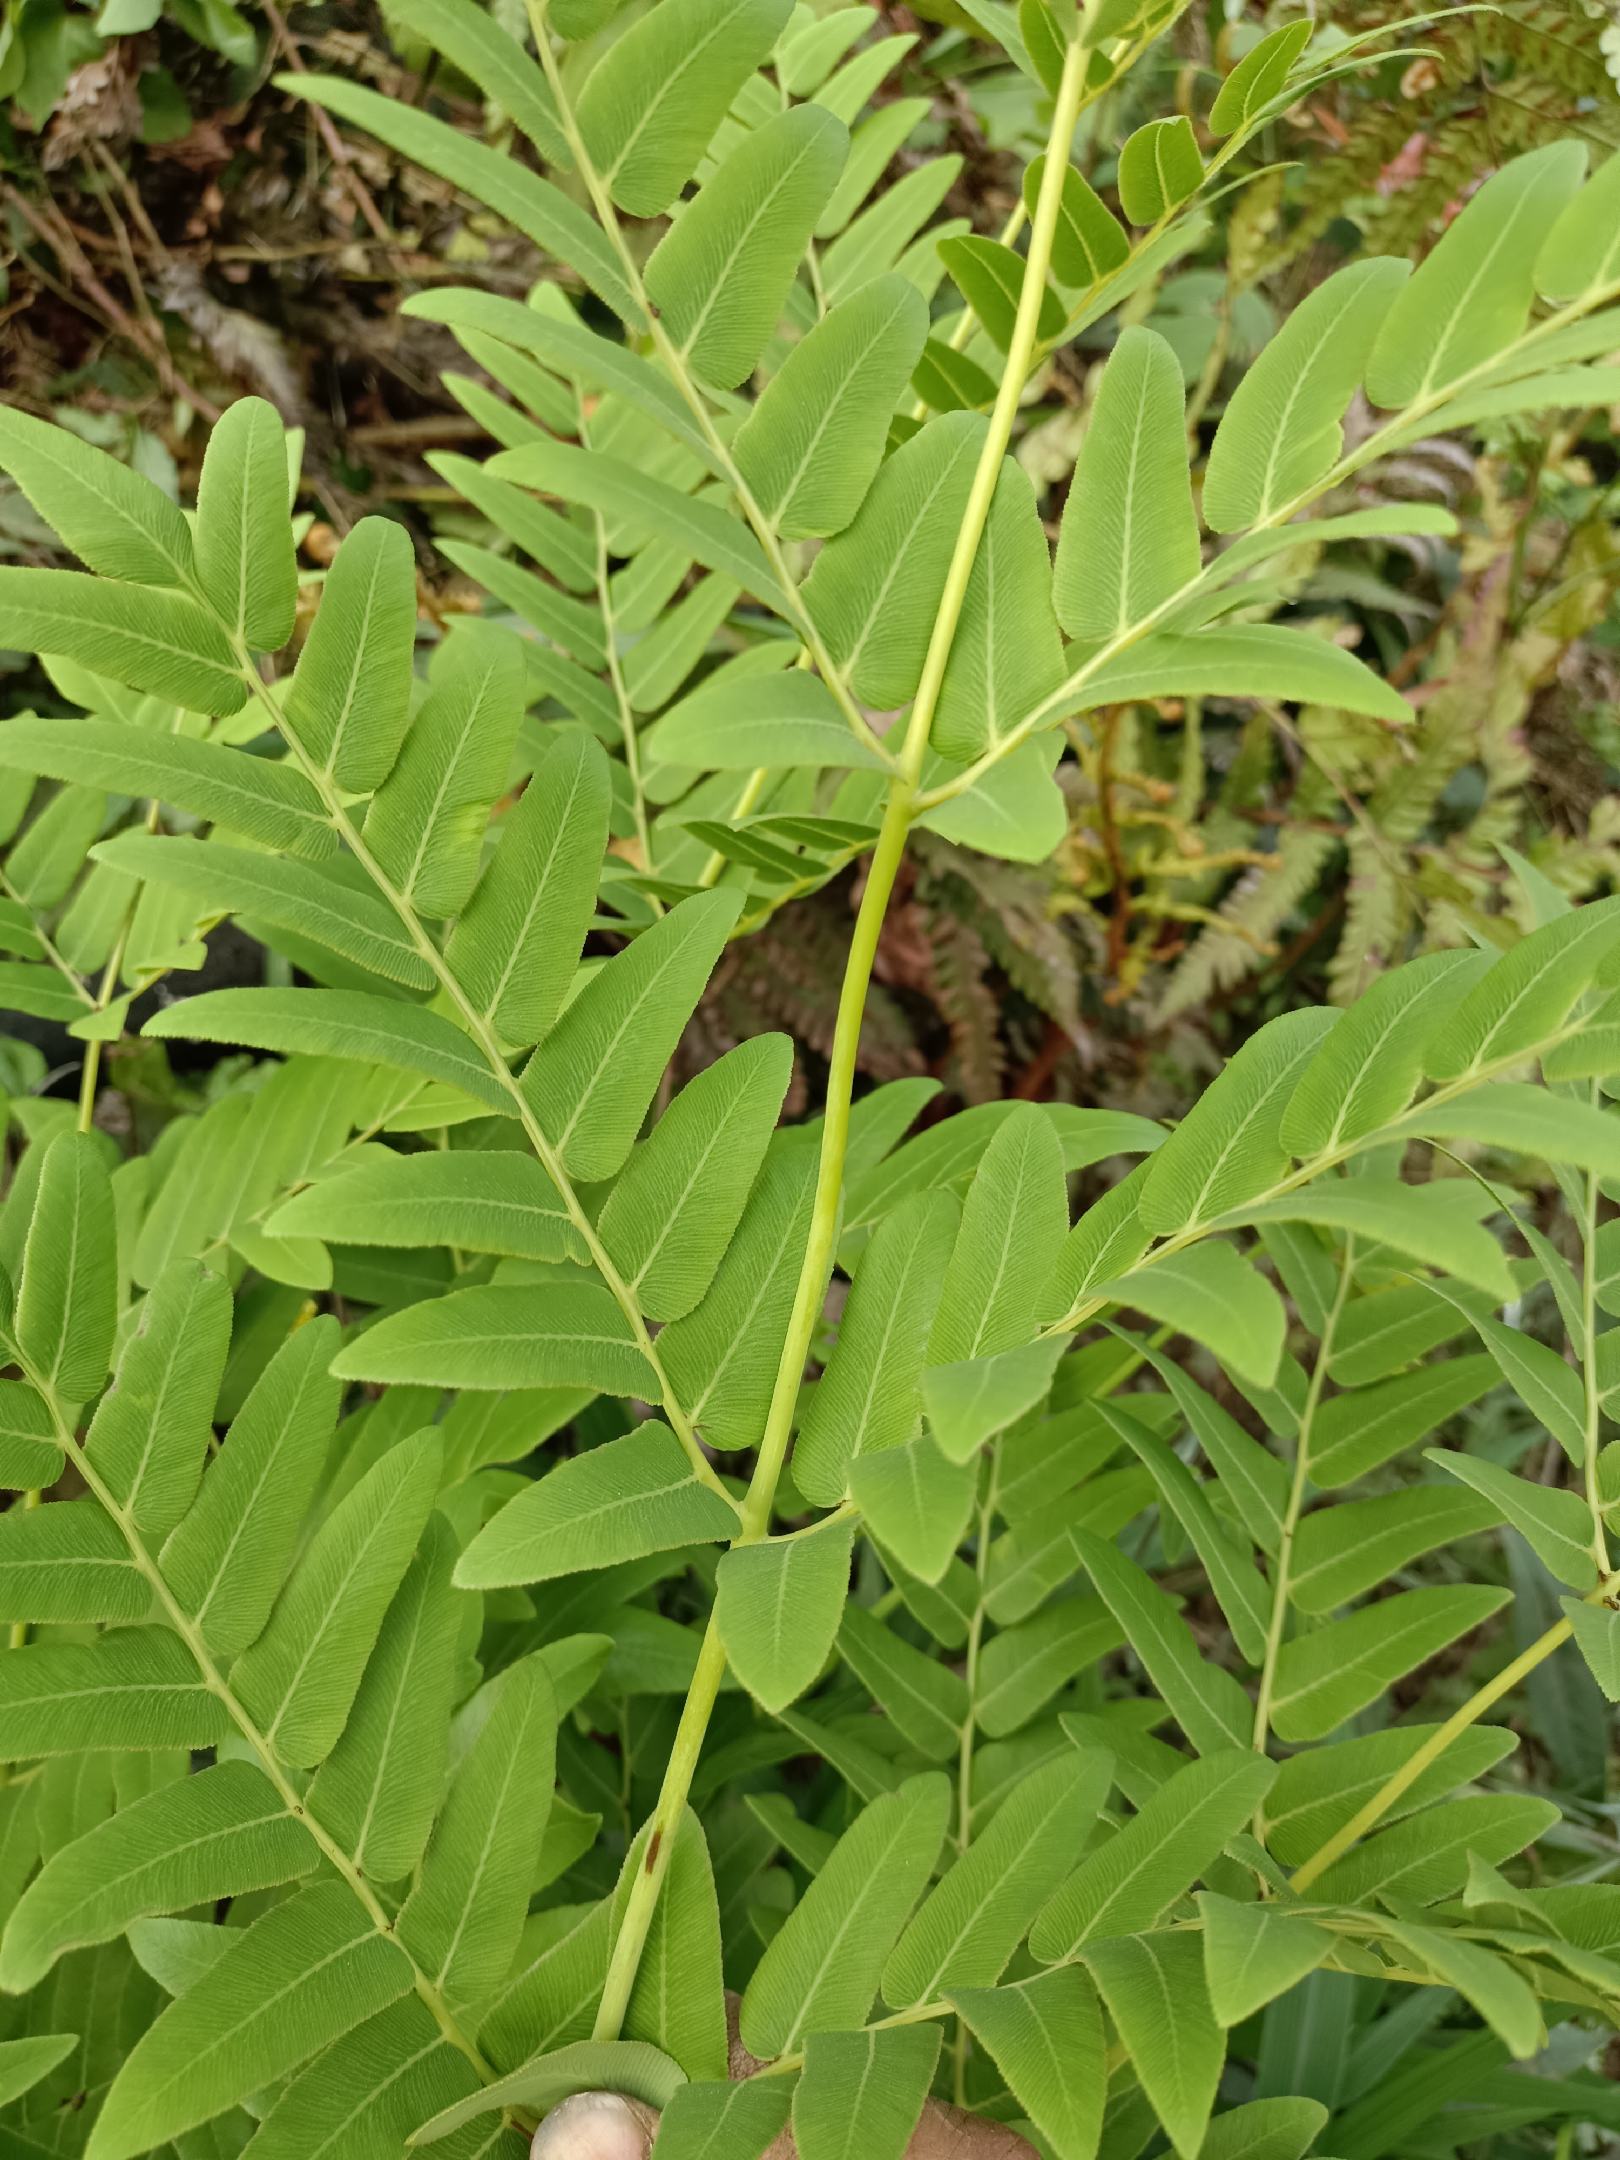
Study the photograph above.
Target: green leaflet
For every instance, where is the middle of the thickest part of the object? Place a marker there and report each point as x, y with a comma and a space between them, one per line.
777, 1607
1210, 1706
114, 519
482, 1201
132, 1688
915, 1503
1258, 77
1555, 1524
1254, 1953
1597, 1637
67, 1562
1212, 1294
148, 638
1282, 430
1247, 660
480, 47
626, 2066
386, 2074
1319, 1789
1426, 1858
702, 2122
1153, 1986
1022, 1667
811, 446
1325, 1677
245, 561
1006, 655
676, 1205
633, 1496
1527, 1121
678, 2003
1581, 250
1014, 1220
349, 704
299, 1678
149, 1437
1159, 168
1088, 242
1129, 537
219, 1833
1045, 2036
650, 106
1355, 1432
503, 1336
860, 2094
1341, 1551
301, 1976
24, 2062
734, 725
924, 1700
67, 1293
1473, 294
820, 1972
970, 1401
591, 1080
990, 277
721, 273
1425, 1225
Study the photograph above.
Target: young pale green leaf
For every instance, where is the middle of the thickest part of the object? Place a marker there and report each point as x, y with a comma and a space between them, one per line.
1129, 537
150, 1434
1555, 1523
299, 1679
868, 1398
591, 1080
463, 1917
1582, 251
1154, 1988
350, 701
1254, 1953
306, 1972
925, 1700
67, 1294
721, 274
676, 1206
1131, 1880
1340, 1552
379, 1789
481, 1201
653, 101
811, 447
777, 1606
873, 589
974, 1918
1159, 168
113, 518
1243, 660
68, 1562
1327, 1676
630, 1497
1021, 1668
1357, 1431
1209, 1705
1368, 1066
820, 1971
1014, 1221
1473, 294
1211, 1294
724, 2121
1006, 655
915, 1503
504, 1336
227, 1558
1045, 2036
1258, 77
1088, 242
218, 1834
860, 2093
245, 561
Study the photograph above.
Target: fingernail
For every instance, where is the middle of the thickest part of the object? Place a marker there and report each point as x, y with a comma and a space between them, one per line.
591, 2126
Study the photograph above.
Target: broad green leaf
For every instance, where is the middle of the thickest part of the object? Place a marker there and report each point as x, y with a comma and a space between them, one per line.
1416, 1220
1253, 1479
676, 1205
151, 1431
721, 274
1496, 1991
868, 1398
625, 2066
1326, 1676
1368, 1066
1254, 1953
303, 1974
1038, 1556
1127, 1883
1021, 1668
478, 1200
1159, 168
1243, 660
1355, 1432
1282, 427
245, 561
465, 1912
860, 2093
1129, 537
915, 1503
1109, 1238
1264, 2130
336, 1023
217, 1834
68, 1562
738, 723
1154, 1988
556, 542
724, 2122
1427, 1857
1258, 77
1228, 1148
141, 635
1597, 1636
367, 2092
974, 1918
67, 1294
632, 1496
1208, 1704
591, 1080
1014, 1221
132, 1688
1045, 2036
777, 1606
924, 1700
1318, 1790
227, 1558
299, 1679
426, 822
990, 278
678, 2002
810, 448
24, 2062
1006, 655
1523, 1120
1088, 242
350, 701
874, 587
505, 1336
379, 1789
652, 103
968, 1402
1340, 1552
1211, 1294
1551, 1390
820, 1971
1555, 1523
1472, 296
1583, 248
113, 518
479, 46
269, 802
